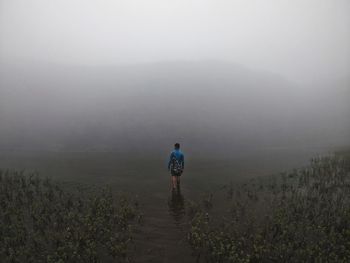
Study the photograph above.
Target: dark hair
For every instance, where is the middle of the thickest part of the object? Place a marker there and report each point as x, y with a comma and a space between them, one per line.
177, 145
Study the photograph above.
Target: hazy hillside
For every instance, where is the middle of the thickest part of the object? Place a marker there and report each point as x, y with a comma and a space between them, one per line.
206, 105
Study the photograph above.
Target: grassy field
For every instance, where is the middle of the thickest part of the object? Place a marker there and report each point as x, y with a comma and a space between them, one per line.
299, 216
163, 230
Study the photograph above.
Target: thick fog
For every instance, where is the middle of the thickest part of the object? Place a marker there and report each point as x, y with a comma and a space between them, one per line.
217, 76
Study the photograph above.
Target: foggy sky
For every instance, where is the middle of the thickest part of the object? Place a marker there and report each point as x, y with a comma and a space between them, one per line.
303, 40
214, 75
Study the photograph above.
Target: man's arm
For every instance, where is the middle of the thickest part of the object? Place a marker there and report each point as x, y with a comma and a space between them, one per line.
183, 162
169, 163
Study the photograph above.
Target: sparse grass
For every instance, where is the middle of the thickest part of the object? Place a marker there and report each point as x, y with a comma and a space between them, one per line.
42, 222
302, 216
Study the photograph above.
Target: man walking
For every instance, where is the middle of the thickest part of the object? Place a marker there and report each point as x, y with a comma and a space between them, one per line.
176, 166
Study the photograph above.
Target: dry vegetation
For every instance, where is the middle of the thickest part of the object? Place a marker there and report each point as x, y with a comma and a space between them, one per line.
302, 216
40, 221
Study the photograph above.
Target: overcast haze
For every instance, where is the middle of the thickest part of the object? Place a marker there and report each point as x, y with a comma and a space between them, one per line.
119, 74
300, 39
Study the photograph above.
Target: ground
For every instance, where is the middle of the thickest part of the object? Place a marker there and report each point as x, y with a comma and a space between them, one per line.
161, 236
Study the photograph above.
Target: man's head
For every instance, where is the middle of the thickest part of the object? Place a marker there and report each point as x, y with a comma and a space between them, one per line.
177, 146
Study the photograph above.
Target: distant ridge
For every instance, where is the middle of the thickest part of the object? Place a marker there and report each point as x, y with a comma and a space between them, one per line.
206, 105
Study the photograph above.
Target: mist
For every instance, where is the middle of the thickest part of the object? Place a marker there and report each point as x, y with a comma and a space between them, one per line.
218, 76
174, 131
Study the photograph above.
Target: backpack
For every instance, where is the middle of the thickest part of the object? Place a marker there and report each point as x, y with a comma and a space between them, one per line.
176, 167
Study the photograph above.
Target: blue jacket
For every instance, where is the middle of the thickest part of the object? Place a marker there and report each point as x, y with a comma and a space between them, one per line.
179, 156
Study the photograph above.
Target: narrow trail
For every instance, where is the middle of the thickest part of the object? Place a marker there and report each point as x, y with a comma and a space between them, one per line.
162, 236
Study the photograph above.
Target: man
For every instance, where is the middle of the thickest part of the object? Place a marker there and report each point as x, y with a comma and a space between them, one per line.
176, 166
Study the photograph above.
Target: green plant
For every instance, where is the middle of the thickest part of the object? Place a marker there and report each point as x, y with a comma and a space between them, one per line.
40, 221
302, 216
